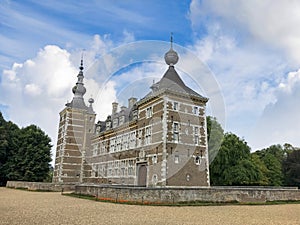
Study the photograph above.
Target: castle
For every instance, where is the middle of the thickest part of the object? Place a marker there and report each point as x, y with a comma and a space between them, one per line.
159, 140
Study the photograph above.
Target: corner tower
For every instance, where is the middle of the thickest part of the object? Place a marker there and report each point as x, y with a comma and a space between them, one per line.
76, 126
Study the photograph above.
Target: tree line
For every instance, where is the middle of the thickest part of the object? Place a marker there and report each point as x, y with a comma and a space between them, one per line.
25, 153
235, 164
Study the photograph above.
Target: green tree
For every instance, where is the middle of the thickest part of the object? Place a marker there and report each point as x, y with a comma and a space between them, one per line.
272, 157
233, 164
31, 160
25, 153
291, 168
215, 134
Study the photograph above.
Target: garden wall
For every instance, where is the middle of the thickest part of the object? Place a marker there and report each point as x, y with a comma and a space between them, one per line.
41, 186
189, 194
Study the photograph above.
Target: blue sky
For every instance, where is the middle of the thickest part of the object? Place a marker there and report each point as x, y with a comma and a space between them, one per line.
252, 49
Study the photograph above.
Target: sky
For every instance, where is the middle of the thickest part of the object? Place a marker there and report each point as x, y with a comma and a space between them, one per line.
243, 55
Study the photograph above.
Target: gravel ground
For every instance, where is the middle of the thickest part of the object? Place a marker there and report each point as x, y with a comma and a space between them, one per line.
24, 207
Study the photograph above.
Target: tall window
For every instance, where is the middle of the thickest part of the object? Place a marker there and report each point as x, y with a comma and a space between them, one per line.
149, 112
196, 135
175, 105
140, 137
132, 139
175, 132
195, 110
148, 135
130, 168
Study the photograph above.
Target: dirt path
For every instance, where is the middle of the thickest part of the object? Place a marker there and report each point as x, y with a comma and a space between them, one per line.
23, 207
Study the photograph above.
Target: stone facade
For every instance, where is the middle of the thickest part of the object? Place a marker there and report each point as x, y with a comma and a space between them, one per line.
159, 140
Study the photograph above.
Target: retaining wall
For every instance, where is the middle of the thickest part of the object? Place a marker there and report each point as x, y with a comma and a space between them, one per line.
189, 194
41, 186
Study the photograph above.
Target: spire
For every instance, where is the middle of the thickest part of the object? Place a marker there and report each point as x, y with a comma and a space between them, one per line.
78, 90
171, 40
171, 57
81, 62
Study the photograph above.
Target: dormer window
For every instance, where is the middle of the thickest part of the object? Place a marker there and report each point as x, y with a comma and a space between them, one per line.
108, 125
121, 120
115, 122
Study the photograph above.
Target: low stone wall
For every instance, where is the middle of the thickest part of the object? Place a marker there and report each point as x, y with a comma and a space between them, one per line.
41, 186
188, 194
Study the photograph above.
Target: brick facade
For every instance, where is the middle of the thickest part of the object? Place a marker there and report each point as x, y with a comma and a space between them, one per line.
159, 140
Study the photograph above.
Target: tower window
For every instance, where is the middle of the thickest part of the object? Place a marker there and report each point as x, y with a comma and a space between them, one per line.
175, 105
195, 110
175, 132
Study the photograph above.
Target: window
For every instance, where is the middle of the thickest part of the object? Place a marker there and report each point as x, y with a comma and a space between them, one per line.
196, 135
148, 136
154, 159
132, 139
154, 179
195, 110
149, 112
175, 105
176, 159
197, 160
115, 122
121, 120
108, 125
175, 132
130, 168
112, 144
140, 135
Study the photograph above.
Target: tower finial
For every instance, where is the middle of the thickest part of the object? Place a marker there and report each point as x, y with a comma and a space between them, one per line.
171, 57
81, 61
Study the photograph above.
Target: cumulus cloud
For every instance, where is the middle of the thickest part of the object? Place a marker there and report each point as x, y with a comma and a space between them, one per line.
35, 91
250, 46
274, 23
280, 121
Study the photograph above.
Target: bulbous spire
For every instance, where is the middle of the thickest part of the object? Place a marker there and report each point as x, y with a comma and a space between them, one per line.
171, 57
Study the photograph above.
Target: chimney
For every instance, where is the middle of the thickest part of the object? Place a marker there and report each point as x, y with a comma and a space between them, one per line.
123, 108
114, 107
131, 102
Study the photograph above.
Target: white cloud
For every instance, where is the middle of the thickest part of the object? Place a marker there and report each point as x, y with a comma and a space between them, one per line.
272, 23
280, 121
32, 89
249, 45
36, 90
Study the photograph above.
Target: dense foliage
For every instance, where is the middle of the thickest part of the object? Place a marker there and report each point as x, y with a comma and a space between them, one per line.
234, 164
25, 153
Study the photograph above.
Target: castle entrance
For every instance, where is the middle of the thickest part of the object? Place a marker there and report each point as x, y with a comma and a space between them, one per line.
142, 175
